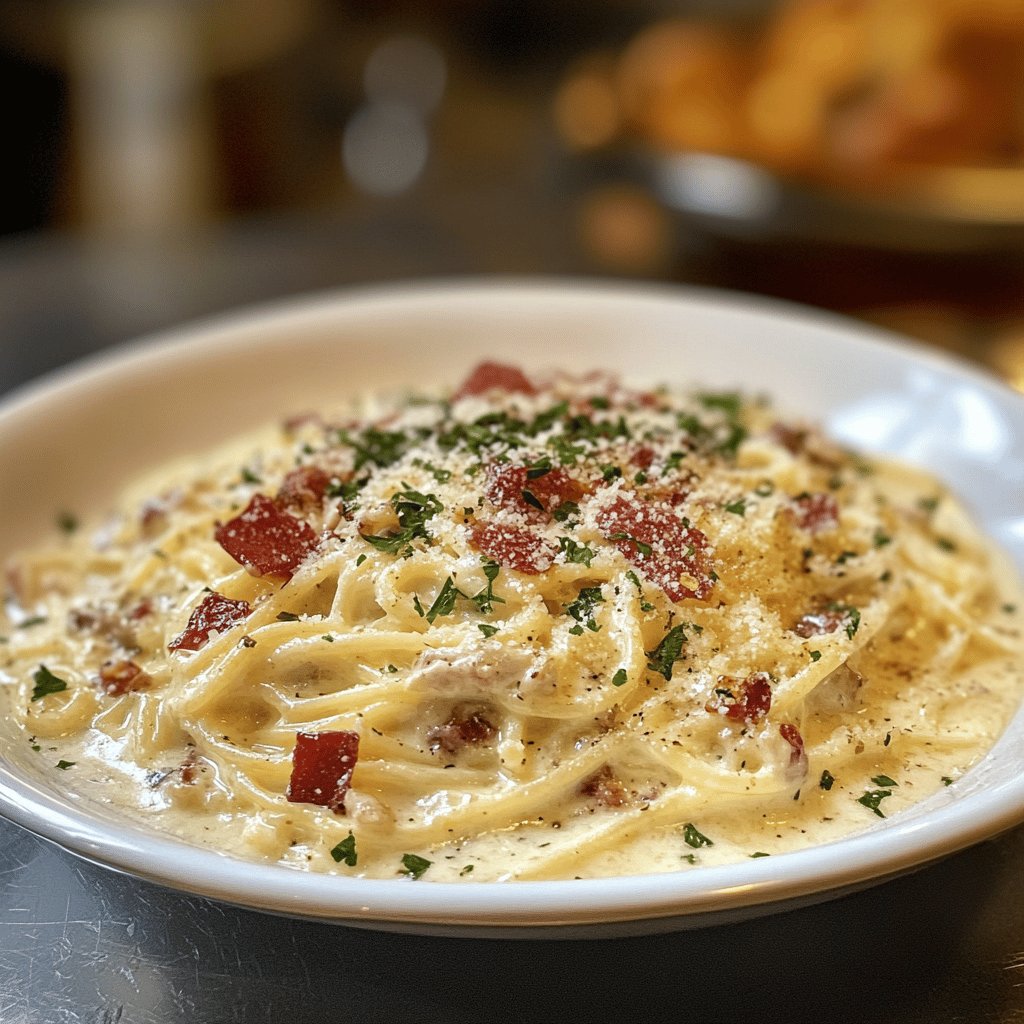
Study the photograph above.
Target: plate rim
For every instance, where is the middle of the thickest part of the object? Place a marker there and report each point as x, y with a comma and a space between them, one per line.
692, 897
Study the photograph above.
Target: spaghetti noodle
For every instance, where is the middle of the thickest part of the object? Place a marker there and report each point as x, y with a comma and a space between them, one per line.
533, 629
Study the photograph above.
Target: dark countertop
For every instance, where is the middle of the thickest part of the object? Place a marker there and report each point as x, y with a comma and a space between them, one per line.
82, 945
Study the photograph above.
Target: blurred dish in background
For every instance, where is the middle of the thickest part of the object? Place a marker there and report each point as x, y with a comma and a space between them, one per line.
913, 110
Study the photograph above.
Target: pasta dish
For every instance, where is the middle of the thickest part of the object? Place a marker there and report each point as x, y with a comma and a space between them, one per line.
537, 627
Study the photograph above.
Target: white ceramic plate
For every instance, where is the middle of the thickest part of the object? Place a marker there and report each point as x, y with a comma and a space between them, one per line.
68, 441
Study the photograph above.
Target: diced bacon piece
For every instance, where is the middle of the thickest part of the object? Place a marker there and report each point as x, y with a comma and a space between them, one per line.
814, 512
820, 623
604, 788
642, 457
214, 614
117, 677
510, 487
267, 541
488, 376
750, 700
322, 765
303, 489
460, 731
141, 610
790, 438
658, 542
513, 547
188, 767
797, 756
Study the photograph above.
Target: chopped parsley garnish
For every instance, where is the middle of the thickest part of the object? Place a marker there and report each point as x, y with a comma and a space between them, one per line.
881, 538
414, 865
346, 851
380, 447
35, 620
946, 544
535, 470
574, 552
620, 677
827, 779
582, 609
486, 629
467, 870
65, 765
46, 683
928, 505
668, 652
645, 606
67, 522
565, 511
360, 560
737, 508
444, 603
414, 509
815, 655
694, 838
765, 489
645, 549
883, 780
249, 477
851, 622
442, 476
946, 780
872, 798
759, 853
531, 499
486, 598
287, 617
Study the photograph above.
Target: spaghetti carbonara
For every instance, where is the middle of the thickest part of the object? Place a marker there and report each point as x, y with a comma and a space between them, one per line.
536, 628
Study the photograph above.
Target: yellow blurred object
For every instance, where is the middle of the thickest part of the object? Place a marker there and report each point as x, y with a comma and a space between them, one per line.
853, 92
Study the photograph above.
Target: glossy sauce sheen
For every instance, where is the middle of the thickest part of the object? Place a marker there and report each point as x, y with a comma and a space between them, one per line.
548, 628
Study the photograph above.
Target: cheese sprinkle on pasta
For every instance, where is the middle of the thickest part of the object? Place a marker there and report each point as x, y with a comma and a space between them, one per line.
537, 628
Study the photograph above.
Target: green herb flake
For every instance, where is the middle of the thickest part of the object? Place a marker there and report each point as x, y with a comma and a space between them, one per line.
668, 652
620, 677
884, 780
414, 865
531, 499
467, 870
759, 853
582, 609
644, 549
815, 655
872, 798
287, 617
35, 620
249, 477
690, 858
692, 837
360, 560
565, 511
46, 683
414, 510
65, 765
487, 630
487, 598
947, 780
945, 544
67, 522
345, 851
881, 538
827, 780
737, 508
576, 553
444, 603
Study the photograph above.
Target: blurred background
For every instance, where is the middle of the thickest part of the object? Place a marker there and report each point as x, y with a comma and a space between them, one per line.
168, 159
